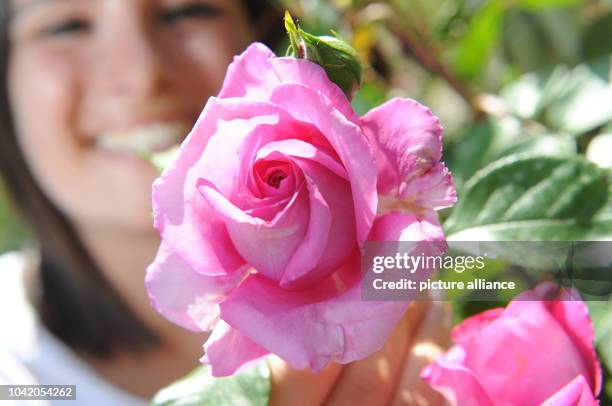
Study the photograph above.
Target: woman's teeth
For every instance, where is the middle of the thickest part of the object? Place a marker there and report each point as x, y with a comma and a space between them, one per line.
150, 138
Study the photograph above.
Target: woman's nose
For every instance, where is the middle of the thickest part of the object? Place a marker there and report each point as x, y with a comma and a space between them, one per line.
133, 64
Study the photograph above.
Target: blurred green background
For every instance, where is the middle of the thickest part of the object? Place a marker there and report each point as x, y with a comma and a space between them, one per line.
13, 233
523, 90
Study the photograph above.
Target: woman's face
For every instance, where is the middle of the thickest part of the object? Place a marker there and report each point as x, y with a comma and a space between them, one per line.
94, 83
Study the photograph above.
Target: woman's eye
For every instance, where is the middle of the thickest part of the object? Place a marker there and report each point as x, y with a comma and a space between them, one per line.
67, 27
190, 10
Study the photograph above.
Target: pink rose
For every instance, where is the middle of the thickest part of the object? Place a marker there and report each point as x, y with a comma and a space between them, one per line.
265, 210
532, 352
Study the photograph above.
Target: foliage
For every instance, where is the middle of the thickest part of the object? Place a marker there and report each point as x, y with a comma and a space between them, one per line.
250, 387
524, 91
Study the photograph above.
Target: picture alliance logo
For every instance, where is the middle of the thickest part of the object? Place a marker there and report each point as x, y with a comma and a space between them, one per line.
413, 263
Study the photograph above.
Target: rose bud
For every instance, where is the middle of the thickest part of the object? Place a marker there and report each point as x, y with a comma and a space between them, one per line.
335, 55
533, 352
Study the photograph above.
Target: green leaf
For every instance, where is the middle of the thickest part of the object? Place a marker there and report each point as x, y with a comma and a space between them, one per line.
531, 94
471, 52
524, 96
569, 100
558, 145
533, 41
601, 314
524, 40
249, 388
489, 140
530, 198
599, 150
588, 104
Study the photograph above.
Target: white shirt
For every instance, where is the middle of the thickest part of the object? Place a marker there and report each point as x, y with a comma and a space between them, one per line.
30, 354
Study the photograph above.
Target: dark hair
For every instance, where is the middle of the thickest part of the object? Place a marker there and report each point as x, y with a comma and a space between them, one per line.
76, 303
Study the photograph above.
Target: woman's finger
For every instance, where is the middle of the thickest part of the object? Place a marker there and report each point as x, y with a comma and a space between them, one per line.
372, 380
300, 387
431, 339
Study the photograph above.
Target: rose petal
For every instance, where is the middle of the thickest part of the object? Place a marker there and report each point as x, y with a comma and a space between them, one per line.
433, 189
329, 321
219, 161
301, 149
305, 327
330, 239
180, 214
313, 76
507, 358
575, 393
228, 350
347, 140
573, 315
249, 75
471, 326
184, 296
275, 178
268, 208
285, 127
265, 245
257, 71
406, 234
455, 382
400, 226
407, 140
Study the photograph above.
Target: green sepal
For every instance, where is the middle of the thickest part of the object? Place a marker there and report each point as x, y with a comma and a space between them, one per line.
335, 55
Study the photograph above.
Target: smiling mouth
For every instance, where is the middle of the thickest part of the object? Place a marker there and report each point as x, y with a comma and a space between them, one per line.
154, 137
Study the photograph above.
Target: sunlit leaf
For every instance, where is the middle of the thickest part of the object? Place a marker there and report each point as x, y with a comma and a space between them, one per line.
570, 100
250, 388
527, 198
489, 140
599, 150
589, 103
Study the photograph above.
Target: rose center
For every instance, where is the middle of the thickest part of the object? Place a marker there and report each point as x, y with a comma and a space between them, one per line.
275, 178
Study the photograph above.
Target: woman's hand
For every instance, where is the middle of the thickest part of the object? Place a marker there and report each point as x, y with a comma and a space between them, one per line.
387, 377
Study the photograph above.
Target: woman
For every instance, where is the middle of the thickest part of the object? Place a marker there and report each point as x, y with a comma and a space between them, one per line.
88, 86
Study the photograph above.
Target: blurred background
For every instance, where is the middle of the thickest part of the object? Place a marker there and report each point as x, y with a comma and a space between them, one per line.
510, 80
